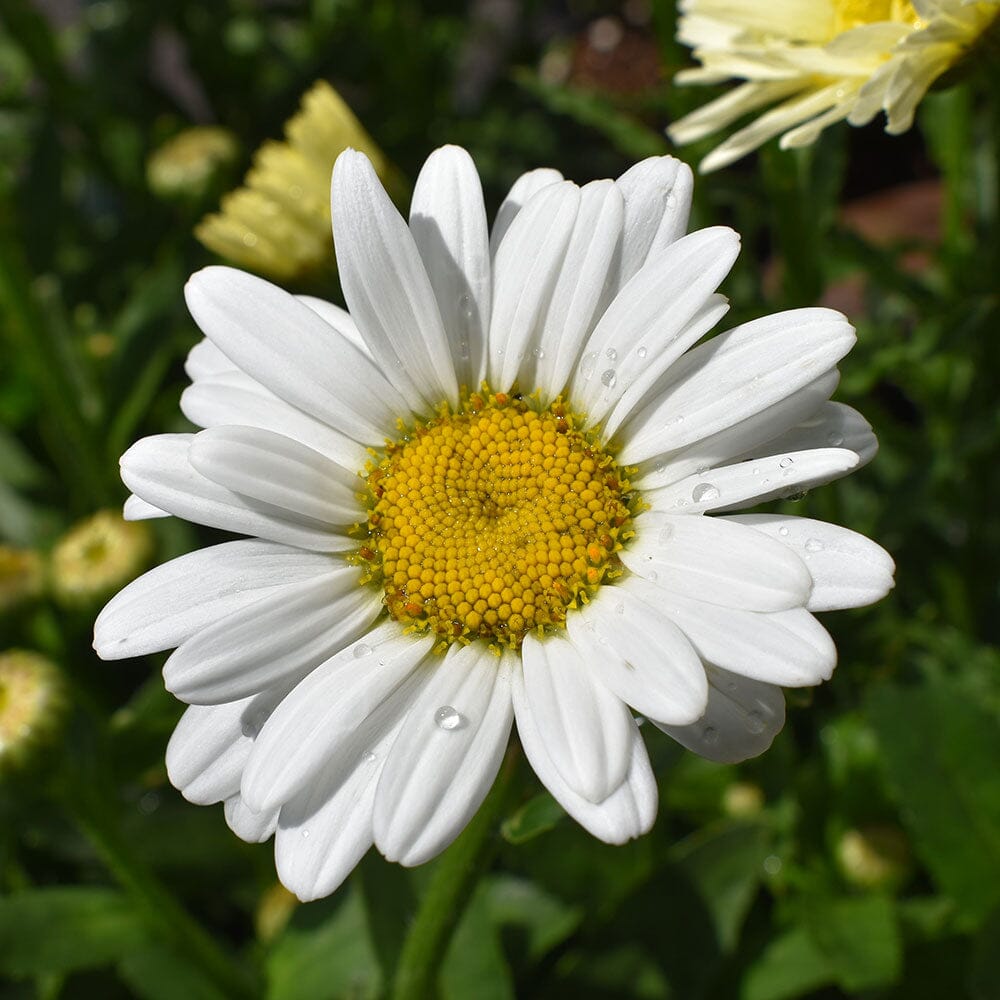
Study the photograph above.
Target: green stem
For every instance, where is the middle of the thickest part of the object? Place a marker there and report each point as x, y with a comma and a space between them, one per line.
449, 891
158, 905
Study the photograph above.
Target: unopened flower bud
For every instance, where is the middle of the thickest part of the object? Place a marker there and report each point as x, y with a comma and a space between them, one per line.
21, 577
874, 857
31, 705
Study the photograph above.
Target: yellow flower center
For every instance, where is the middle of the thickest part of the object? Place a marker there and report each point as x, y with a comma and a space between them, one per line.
493, 521
850, 14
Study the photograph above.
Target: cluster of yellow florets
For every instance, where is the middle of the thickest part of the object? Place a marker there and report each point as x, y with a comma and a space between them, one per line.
492, 521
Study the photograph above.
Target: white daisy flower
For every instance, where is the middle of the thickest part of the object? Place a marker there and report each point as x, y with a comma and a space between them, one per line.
498, 490
816, 62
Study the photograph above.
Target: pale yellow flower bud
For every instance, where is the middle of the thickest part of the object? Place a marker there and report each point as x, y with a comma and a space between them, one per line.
21, 576
742, 800
278, 223
186, 165
874, 856
31, 704
97, 557
274, 910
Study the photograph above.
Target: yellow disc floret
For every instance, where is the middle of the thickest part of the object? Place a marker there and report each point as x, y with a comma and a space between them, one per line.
493, 521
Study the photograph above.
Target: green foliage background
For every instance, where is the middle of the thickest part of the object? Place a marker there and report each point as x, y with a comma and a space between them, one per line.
112, 886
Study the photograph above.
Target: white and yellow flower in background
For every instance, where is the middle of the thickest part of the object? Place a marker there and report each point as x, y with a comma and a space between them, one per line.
278, 223
815, 62
499, 490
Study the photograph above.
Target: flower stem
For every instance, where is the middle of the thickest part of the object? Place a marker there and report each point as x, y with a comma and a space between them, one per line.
449, 890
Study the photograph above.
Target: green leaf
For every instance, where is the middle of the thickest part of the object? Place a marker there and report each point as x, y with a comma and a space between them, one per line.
325, 953
725, 864
156, 972
940, 749
543, 920
791, 965
389, 906
475, 964
860, 940
58, 930
535, 817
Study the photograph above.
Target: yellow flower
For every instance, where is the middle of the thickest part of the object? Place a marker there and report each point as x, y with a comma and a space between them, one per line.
278, 223
187, 164
20, 576
816, 62
97, 557
31, 702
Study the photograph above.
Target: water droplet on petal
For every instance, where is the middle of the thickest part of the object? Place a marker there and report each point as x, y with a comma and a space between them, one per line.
587, 364
369, 757
362, 649
834, 439
620, 608
463, 349
612, 354
640, 720
783, 531
447, 718
538, 353
641, 351
652, 576
305, 834
671, 199
710, 735
786, 462
666, 533
608, 378
755, 723
705, 491
814, 545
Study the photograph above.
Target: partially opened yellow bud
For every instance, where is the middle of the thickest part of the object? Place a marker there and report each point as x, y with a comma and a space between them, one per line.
874, 857
97, 557
278, 223
31, 704
21, 577
186, 165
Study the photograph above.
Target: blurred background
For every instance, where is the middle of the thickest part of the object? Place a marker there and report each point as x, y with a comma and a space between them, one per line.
860, 857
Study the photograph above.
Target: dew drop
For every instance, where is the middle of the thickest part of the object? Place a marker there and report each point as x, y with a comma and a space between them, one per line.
786, 462
612, 354
704, 491
305, 834
671, 199
652, 576
641, 351
783, 531
369, 757
463, 349
755, 471
710, 735
465, 304
538, 353
620, 608
361, 650
755, 723
640, 720
447, 718
666, 533
608, 378
834, 439
587, 365
813, 545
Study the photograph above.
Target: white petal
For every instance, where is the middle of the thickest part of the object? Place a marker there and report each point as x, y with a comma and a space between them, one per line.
386, 286
448, 223
770, 478
635, 651
136, 509
831, 426
286, 347
278, 471
327, 712
657, 193
439, 769
282, 636
253, 827
235, 398
170, 603
848, 570
340, 319
735, 375
205, 360
789, 648
159, 470
704, 559
526, 269
757, 433
584, 728
210, 745
649, 324
520, 193
741, 721
628, 812
581, 291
